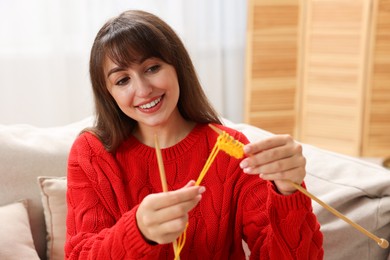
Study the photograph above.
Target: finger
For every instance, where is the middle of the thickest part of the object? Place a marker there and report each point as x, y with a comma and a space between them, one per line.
295, 175
285, 187
269, 156
150, 221
166, 199
272, 154
281, 165
177, 211
168, 223
170, 231
169, 237
190, 183
268, 143
174, 226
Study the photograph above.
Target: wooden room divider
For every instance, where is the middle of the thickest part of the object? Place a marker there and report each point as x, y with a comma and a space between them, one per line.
320, 71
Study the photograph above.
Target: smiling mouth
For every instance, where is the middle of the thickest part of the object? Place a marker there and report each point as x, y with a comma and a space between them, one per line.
151, 104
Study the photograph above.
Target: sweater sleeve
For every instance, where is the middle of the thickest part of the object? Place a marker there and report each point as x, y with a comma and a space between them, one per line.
99, 223
280, 227
276, 226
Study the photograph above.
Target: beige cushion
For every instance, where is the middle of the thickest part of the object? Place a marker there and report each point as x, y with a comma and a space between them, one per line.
27, 152
53, 190
15, 234
357, 189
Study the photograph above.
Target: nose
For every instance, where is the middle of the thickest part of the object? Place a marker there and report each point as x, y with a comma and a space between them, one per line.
142, 87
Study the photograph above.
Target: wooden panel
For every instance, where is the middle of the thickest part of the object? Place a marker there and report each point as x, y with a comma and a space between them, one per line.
377, 123
320, 70
333, 73
272, 64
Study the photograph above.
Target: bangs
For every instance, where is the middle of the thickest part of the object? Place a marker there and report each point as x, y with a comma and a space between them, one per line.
135, 44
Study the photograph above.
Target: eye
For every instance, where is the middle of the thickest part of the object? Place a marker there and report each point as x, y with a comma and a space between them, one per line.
122, 81
153, 68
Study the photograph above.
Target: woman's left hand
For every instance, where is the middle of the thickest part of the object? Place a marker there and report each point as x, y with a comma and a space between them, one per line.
276, 159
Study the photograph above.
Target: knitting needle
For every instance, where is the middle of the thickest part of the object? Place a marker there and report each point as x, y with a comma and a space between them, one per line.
216, 129
383, 243
160, 165
162, 176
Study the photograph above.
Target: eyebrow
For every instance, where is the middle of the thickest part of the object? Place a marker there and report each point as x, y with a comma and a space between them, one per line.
113, 70
117, 69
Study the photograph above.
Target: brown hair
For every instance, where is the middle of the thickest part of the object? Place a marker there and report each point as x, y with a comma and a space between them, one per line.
132, 37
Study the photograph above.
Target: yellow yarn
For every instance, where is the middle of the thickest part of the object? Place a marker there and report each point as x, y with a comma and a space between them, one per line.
229, 145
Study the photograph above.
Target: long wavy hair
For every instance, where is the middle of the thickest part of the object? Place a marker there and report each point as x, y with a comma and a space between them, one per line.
129, 38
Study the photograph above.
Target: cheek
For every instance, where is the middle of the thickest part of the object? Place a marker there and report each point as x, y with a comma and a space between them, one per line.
177, 91
121, 96
173, 86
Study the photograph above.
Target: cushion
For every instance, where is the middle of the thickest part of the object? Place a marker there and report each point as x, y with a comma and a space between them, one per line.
16, 241
27, 152
53, 192
357, 189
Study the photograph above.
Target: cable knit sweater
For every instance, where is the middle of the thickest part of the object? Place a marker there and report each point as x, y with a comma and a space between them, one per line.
105, 189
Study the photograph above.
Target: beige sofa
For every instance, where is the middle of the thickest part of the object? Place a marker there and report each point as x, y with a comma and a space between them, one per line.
33, 185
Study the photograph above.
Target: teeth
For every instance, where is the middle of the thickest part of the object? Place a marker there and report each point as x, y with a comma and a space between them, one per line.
151, 104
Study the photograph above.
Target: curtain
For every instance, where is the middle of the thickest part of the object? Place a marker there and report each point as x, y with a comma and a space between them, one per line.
45, 45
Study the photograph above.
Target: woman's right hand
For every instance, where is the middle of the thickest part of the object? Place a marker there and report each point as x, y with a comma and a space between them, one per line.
162, 217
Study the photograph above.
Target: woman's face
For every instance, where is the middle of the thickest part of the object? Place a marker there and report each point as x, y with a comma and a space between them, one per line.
147, 92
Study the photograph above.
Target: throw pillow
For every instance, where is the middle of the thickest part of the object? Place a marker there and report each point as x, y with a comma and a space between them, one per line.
16, 241
53, 194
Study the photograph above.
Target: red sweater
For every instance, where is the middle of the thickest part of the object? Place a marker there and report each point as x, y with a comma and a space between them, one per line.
104, 191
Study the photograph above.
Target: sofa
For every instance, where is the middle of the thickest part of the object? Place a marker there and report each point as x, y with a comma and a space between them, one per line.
33, 186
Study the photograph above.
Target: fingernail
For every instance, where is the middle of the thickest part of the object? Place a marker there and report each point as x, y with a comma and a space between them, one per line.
201, 189
247, 170
246, 149
243, 164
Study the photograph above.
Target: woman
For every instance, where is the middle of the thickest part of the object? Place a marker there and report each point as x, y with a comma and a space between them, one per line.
144, 84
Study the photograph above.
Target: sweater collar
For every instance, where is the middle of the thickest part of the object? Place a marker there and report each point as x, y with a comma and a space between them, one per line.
145, 152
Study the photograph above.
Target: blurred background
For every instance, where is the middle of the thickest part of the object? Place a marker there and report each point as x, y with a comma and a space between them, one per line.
45, 45
318, 70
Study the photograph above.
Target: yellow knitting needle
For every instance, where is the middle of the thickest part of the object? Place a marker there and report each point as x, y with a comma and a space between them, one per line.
383, 243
